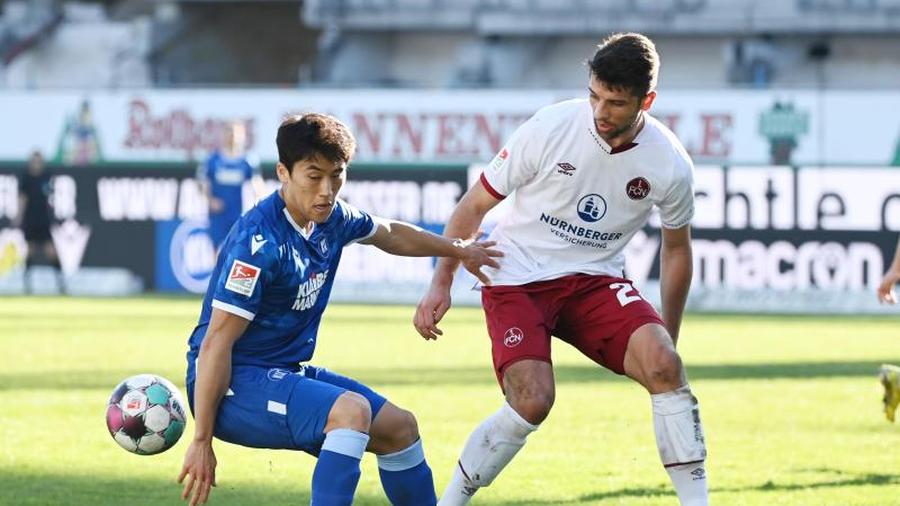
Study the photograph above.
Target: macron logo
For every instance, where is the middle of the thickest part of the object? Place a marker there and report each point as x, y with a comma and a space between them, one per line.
256, 242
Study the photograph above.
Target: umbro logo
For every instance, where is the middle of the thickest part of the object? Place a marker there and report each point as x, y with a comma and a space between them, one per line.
699, 474
565, 168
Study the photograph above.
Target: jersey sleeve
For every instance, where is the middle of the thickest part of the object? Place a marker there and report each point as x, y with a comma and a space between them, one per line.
355, 225
677, 206
515, 164
250, 266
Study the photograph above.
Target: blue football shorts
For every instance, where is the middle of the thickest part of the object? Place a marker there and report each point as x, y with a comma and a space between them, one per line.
282, 409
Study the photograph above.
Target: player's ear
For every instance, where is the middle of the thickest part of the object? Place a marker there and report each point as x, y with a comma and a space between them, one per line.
648, 100
282, 172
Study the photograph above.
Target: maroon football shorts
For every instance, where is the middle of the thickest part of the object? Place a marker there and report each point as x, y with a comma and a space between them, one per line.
595, 314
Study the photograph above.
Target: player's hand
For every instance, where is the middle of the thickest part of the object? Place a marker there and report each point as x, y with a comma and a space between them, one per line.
430, 310
477, 254
200, 470
886, 289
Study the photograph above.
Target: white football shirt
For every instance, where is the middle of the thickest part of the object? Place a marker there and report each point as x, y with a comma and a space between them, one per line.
576, 202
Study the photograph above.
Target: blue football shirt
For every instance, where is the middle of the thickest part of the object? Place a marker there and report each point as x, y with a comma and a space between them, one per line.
226, 177
271, 272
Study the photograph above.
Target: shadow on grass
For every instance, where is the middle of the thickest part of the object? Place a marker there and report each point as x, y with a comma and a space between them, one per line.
447, 376
866, 479
27, 489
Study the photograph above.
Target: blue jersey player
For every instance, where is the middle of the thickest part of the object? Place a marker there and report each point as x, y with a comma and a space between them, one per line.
222, 177
259, 322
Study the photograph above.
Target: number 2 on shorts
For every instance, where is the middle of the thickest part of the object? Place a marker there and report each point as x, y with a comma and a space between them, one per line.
622, 293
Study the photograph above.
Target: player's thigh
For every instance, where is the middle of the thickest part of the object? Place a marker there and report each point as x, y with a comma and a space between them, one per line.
376, 400
519, 322
275, 408
601, 316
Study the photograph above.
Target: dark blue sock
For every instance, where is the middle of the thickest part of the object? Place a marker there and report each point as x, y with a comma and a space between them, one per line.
406, 477
337, 471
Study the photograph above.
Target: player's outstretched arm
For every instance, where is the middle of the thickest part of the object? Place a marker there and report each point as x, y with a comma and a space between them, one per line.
213, 378
464, 222
676, 270
891, 277
406, 239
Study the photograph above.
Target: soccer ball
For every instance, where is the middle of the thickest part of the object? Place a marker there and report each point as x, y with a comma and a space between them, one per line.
145, 414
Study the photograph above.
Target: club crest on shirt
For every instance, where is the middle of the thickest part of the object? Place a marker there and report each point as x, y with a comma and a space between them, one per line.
323, 246
637, 189
242, 278
591, 208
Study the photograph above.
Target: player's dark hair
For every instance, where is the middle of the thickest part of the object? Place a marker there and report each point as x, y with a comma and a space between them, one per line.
303, 136
626, 61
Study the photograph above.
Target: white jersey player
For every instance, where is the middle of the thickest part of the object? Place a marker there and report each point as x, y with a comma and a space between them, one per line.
583, 177
576, 201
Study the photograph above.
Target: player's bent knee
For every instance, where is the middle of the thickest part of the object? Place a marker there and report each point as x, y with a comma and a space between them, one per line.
533, 405
666, 369
408, 431
350, 411
403, 430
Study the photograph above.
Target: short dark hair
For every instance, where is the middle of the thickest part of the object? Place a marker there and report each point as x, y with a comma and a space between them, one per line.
303, 136
626, 61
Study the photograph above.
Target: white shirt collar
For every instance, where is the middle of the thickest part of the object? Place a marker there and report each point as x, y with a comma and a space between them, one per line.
592, 128
300, 230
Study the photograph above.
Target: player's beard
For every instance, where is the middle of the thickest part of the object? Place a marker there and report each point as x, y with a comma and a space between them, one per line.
615, 134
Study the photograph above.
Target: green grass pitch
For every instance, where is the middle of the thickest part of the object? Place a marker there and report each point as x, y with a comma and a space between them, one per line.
791, 408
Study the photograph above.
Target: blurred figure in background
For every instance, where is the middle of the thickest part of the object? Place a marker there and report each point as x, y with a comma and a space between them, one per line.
34, 218
80, 143
890, 374
891, 278
222, 178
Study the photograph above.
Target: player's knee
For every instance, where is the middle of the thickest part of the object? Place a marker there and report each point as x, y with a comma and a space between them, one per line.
665, 369
532, 404
350, 411
407, 429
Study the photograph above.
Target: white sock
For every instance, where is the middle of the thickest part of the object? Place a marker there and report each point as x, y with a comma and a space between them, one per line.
690, 483
681, 443
490, 447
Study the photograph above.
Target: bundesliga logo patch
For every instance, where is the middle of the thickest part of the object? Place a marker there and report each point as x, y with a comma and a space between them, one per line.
242, 278
500, 159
